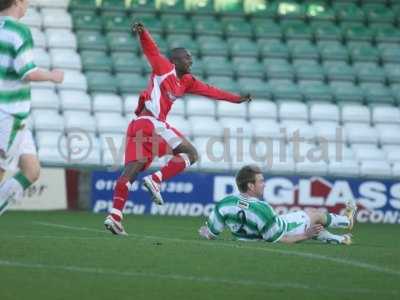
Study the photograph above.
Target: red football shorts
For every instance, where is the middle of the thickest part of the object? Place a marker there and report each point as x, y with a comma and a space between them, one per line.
147, 138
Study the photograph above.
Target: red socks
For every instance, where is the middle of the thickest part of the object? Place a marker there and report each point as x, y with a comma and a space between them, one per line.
120, 196
176, 165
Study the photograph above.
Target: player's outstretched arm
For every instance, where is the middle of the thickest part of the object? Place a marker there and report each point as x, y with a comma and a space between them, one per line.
204, 232
214, 226
56, 76
138, 27
245, 98
159, 63
200, 88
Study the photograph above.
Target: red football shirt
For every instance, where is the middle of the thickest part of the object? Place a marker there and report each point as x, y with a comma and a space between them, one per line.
165, 87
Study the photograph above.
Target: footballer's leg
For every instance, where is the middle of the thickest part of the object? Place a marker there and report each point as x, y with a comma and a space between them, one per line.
327, 237
138, 157
334, 220
4, 199
8, 139
113, 222
184, 155
298, 222
13, 188
30, 167
350, 213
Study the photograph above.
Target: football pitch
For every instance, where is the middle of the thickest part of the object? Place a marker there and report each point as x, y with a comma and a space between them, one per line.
68, 255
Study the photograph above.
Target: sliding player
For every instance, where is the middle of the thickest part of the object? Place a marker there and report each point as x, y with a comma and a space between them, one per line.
249, 218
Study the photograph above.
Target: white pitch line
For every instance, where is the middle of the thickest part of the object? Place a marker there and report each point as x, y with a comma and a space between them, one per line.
181, 277
172, 276
69, 227
353, 263
56, 237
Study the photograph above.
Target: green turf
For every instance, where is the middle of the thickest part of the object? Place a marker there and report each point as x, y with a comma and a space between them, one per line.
61, 255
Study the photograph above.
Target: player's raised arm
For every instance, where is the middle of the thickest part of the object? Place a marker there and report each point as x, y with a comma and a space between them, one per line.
200, 88
159, 63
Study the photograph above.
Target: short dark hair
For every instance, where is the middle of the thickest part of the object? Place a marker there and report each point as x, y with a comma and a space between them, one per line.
4, 4
246, 175
171, 53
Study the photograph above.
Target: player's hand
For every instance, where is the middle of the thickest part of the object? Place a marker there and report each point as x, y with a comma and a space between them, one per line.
314, 230
204, 232
138, 27
245, 98
57, 76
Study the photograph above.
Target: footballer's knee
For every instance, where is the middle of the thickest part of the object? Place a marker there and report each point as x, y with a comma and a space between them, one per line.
32, 173
132, 169
193, 155
316, 216
188, 149
30, 167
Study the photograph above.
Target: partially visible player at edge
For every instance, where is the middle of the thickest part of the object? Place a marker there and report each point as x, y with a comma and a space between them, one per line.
170, 80
249, 218
17, 69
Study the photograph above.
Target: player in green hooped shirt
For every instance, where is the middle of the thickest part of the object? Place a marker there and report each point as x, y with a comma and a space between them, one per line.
249, 218
17, 70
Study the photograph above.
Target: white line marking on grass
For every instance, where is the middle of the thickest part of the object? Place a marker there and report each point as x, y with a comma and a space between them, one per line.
239, 245
69, 227
354, 263
180, 277
172, 276
56, 237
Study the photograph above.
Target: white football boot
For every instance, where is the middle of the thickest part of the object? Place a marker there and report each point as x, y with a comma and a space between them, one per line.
114, 226
347, 239
154, 189
350, 212
329, 238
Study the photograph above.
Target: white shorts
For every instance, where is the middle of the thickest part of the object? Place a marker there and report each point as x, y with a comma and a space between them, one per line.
15, 140
297, 222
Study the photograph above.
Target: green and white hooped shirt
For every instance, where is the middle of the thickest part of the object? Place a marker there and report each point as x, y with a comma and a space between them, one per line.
16, 62
247, 218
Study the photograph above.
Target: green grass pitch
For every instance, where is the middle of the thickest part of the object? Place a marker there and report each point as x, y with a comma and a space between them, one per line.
68, 255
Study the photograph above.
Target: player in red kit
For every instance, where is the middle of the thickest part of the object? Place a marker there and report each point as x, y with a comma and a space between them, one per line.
150, 136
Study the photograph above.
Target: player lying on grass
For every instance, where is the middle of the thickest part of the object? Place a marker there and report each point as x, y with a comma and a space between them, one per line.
17, 69
150, 136
249, 218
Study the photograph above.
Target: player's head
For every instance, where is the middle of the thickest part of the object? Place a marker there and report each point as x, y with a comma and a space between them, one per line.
17, 7
250, 180
182, 59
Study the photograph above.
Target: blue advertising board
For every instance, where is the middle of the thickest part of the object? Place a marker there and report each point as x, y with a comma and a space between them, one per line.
194, 194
